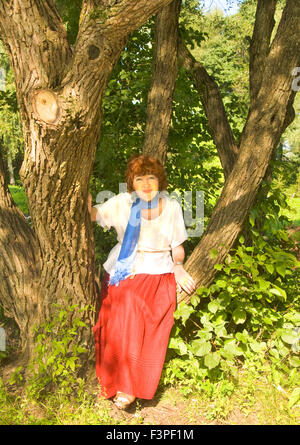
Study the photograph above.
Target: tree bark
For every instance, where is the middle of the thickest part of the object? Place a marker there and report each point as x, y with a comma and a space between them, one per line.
260, 43
59, 92
164, 74
214, 108
267, 119
19, 266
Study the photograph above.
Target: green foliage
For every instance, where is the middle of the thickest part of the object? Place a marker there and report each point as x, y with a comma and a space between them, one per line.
248, 315
11, 137
56, 358
57, 408
70, 13
224, 54
20, 198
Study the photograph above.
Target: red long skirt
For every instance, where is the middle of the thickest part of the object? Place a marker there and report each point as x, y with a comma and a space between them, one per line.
132, 333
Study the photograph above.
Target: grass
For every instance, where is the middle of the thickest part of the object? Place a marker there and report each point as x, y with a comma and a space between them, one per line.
19, 197
253, 397
254, 400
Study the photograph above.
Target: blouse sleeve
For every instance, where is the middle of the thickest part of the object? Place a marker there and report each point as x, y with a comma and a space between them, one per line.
179, 230
107, 212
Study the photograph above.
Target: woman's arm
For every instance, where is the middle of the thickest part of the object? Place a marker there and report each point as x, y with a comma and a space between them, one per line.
183, 279
92, 210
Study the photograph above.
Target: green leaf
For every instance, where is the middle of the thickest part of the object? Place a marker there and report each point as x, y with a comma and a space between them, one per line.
224, 299
62, 314
221, 283
294, 398
205, 320
241, 336
281, 269
213, 306
274, 353
213, 253
258, 347
204, 334
252, 220
263, 284
200, 347
239, 316
283, 350
220, 318
294, 317
221, 331
179, 345
261, 258
72, 365
212, 360
278, 292
232, 348
195, 300
290, 337
203, 292
294, 362
183, 311
254, 272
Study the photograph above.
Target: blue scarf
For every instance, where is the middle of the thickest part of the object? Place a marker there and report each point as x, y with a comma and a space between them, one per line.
129, 245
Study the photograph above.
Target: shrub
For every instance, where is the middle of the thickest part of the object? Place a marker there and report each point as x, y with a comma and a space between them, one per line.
248, 315
56, 358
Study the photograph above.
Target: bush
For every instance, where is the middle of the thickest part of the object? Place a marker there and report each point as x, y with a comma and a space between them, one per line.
249, 314
56, 358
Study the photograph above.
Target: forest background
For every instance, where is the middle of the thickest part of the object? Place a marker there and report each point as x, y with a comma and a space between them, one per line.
240, 333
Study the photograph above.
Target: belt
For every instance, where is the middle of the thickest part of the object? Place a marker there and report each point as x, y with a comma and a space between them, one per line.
139, 250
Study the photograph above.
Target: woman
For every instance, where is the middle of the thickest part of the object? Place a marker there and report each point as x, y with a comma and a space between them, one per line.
138, 293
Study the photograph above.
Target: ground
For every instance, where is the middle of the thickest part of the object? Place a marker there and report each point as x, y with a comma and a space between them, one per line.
249, 400
253, 397
253, 402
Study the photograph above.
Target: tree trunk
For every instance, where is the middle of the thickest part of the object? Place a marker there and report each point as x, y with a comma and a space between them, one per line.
260, 43
268, 117
19, 266
59, 93
164, 74
214, 109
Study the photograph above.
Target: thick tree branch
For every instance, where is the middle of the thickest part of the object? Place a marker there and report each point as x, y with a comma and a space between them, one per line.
103, 32
118, 18
164, 74
19, 261
266, 121
37, 22
260, 43
214, 108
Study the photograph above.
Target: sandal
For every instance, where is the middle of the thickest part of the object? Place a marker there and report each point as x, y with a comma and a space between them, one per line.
122, 401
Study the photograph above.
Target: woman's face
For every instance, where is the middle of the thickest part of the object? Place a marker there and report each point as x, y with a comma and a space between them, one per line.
146, 186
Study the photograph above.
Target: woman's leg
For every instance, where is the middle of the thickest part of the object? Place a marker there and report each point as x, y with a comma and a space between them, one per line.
123, 400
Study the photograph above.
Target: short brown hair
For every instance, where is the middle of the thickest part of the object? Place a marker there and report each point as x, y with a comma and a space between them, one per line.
140, 165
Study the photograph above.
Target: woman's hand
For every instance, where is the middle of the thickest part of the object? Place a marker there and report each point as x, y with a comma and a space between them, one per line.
184, 280
92, 211
90, 200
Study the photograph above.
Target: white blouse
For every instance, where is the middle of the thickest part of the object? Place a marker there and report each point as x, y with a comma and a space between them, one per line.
162, 233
